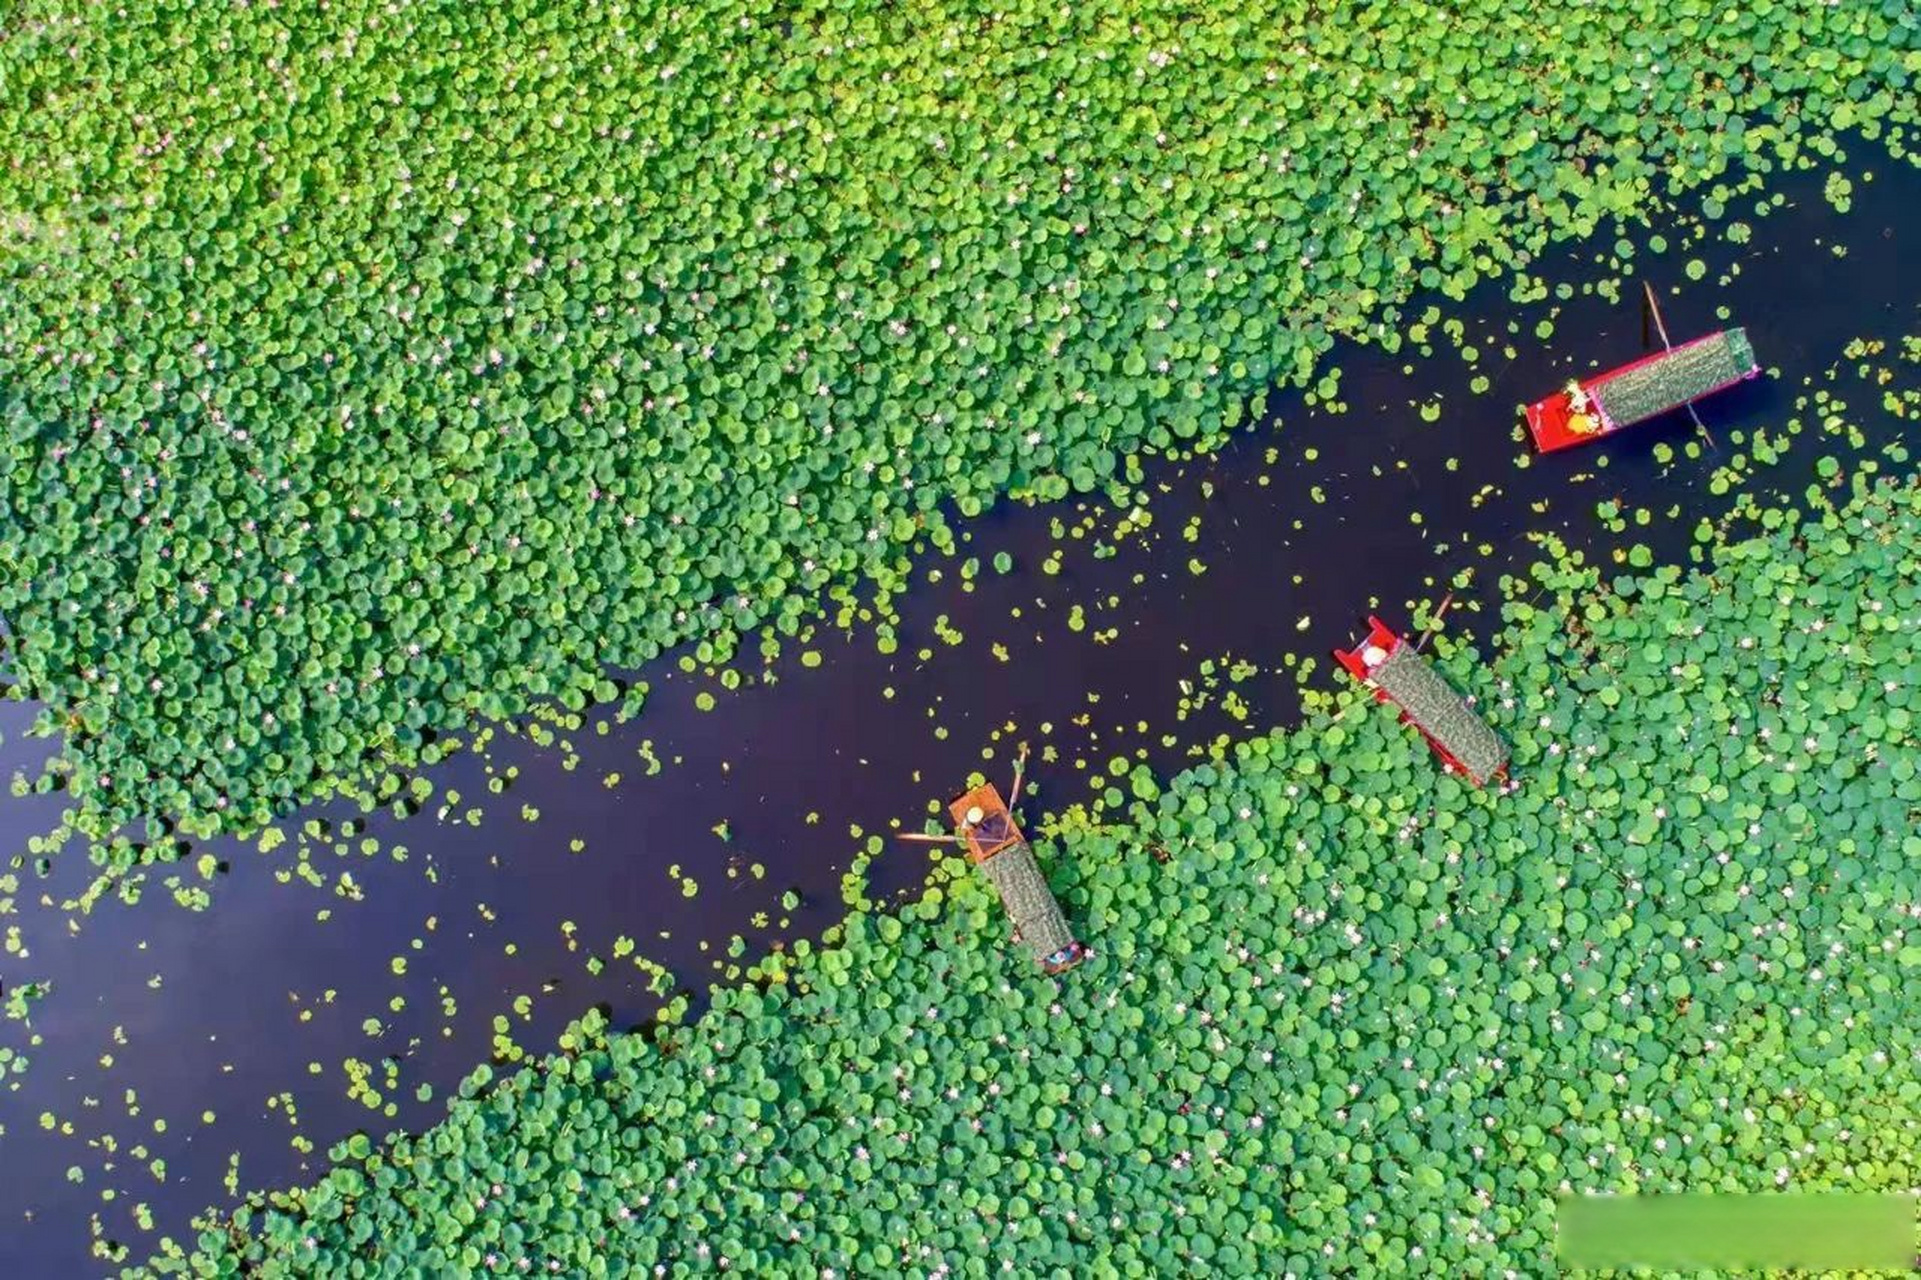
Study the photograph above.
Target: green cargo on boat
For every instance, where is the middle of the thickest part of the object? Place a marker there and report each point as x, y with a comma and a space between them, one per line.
1432, 703
1674, 378
1030, 903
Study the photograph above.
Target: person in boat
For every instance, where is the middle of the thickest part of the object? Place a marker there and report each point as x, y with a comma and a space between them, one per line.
986, 829
1373, 656
1583, 419
1064, 957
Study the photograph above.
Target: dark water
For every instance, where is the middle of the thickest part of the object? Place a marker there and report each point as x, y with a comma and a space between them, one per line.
790, 764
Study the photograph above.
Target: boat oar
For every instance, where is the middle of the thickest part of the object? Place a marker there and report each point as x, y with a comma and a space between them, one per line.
915, 835
1020, 770
1704, 428
1435, 621
1655, 308
1661, 325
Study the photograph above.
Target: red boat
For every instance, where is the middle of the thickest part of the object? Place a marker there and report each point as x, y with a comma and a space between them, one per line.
1605, 403
1396, 672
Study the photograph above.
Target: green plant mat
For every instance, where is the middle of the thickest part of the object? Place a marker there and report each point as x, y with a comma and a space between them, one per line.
1686, 372
1435, 705
1017, 877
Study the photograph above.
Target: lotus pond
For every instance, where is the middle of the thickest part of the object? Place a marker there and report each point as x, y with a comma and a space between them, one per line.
404, 547
1360, 1021
367, 370
350, 979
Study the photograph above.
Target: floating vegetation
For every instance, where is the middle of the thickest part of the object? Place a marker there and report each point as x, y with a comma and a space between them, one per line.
360, 386
1347, 1018
1244, 543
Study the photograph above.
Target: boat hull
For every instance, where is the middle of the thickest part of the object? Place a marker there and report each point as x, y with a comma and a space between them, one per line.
1645, 388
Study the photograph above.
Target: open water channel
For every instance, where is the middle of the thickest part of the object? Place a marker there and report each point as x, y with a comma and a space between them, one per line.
160, 1017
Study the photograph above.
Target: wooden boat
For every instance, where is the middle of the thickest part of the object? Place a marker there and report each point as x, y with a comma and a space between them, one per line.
1396, 672
995, 844
1643, 389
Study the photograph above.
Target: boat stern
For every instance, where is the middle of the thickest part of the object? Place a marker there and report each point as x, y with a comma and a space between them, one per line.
1548, 421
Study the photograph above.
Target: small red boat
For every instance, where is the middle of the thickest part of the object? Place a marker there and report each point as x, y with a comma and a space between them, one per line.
1396, 672
1603, 404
